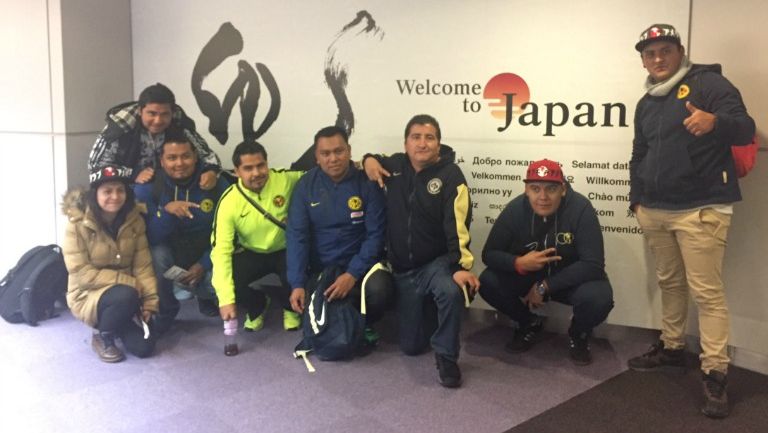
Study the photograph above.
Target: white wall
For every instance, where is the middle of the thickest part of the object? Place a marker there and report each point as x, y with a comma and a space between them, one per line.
27, 167
722, 32
564, 51
64, 64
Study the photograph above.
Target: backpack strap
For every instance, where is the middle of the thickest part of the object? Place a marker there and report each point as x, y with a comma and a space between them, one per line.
303, 355
158, 186
379, 266
25, 258
258, 207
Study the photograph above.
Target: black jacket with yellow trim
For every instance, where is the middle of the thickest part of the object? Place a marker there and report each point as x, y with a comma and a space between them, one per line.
428, 213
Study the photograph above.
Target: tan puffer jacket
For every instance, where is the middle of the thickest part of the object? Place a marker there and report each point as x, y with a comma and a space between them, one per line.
97, 262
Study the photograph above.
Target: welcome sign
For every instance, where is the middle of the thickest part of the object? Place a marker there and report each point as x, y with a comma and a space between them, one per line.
509, 81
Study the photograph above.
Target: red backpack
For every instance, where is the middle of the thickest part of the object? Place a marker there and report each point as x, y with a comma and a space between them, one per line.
744, 157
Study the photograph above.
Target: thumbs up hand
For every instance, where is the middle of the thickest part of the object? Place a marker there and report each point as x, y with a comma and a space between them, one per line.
699, 122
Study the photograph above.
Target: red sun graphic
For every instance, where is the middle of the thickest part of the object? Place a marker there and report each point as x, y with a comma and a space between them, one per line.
502, 84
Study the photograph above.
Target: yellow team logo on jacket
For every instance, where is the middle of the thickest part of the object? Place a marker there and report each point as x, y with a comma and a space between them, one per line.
355, 203
279, 201
564, 238
206, 205
683, 91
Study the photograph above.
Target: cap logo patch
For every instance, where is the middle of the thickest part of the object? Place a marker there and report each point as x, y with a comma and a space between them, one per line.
542, 171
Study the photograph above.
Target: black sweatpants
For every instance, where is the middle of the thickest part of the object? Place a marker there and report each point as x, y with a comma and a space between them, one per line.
591, 301
247, 267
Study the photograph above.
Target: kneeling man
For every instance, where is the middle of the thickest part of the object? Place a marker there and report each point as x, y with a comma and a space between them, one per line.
547, 244
337, 218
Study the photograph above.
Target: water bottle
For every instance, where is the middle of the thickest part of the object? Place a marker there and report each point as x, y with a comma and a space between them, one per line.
230, 337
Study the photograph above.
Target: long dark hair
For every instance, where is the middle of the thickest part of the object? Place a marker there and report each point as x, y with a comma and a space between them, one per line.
98, 213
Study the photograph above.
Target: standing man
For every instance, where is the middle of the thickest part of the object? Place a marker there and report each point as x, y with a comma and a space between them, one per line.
135, 132
337, 218
428, 216
179, 219
547, 244
248, 239
682, 188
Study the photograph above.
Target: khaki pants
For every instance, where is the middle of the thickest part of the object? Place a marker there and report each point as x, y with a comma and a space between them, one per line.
689, 248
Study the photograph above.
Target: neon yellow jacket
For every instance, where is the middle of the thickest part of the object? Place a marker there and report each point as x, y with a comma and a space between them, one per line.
238, 224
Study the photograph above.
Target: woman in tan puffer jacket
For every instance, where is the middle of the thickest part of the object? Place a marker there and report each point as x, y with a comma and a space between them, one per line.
112, 285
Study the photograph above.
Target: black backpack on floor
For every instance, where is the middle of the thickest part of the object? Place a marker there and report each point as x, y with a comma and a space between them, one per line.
29, 291
332, 330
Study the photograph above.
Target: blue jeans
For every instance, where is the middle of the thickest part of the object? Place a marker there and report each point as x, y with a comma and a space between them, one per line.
429, 305
162, 260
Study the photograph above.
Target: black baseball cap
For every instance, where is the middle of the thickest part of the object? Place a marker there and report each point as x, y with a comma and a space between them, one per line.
657, 33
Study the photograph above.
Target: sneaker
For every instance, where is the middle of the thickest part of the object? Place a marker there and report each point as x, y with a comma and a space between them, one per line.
208, 307
370, 341
525, 337
579, 349
255, 324
658, 357
371, 336
448, 371
715, 394
103, 343
291, 320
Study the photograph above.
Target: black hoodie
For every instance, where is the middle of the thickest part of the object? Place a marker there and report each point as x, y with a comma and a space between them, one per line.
573, 230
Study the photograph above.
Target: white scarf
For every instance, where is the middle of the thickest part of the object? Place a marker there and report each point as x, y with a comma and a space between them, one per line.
664, 87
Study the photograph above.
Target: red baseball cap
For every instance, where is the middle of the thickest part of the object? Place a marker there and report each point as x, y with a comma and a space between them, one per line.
544, 171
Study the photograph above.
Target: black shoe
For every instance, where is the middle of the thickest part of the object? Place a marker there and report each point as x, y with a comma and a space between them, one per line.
657, 357
715, 394
525, 337
579, 349
208, 307
103, 343
448, 371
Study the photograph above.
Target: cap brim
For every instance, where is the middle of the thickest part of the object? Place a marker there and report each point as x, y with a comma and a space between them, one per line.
543, 180
640, 46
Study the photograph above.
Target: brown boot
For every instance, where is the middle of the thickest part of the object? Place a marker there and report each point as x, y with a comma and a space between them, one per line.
103, 344
715, 394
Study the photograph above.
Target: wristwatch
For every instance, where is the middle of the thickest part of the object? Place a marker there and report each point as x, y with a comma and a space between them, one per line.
541, 288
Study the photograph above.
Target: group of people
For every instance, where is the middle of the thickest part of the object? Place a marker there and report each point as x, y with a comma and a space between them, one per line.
159, 219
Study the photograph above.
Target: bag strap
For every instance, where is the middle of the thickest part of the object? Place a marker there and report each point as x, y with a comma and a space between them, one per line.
379, 266
158, 187
258, 207
303, 355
